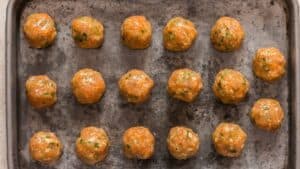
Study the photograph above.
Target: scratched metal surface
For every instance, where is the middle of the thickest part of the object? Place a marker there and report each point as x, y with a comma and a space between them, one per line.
265, 23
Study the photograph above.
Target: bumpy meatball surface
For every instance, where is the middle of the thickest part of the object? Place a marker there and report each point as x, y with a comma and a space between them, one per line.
230, 86
267, 114
136, 32
92, 145
269, 64
87, 32
185, 84
183, 142
229, 139
227, 34
138, 143
41, 91
39, 30
88, 86
179, 34
45, 147
136, 86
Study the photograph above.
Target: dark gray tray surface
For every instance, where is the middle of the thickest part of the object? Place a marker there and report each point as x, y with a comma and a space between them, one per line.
265, 23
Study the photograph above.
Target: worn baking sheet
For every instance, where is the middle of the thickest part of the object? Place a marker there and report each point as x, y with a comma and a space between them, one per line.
267, 23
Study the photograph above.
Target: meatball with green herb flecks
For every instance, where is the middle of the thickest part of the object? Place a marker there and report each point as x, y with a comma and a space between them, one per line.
229, 139
179, 34
227, 34
45, 147
183, 142
138, 143
136, 32
267, 114
185, 84
230, 86
41, 91
269, 64
39, 30
87, 32
92, 145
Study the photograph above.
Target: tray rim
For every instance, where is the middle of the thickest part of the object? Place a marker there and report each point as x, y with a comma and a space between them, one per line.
12, 10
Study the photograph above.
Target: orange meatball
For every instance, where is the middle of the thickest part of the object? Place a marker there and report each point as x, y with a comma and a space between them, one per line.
88, 86
87, 32
41, 91
179, 34
45, 147
39, 30
92, 145
136, 86
138, 142
183, 142
136, 32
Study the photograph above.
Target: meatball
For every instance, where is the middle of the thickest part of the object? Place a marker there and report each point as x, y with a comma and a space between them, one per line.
185, 84
229, 139
92, 145
88, 86
138, 143
39, 30
45, 147
136, 86
179, 34
230, 86
267, 114
136, 32
269, 64
41, 91
87, 32
183, 143
227, 34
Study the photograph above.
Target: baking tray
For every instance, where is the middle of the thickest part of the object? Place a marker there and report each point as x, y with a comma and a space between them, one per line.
267, 23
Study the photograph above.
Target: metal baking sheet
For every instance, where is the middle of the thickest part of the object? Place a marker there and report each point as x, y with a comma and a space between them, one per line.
267, 23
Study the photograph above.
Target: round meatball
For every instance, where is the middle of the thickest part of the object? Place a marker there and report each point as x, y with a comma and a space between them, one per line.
41, 91
229, 139
269, 64
136, 86
230, 86
88, 86
87, 32
183, 143
92, 145
267, 114
39, 30
227, 34
179, 34
136, 32
138, 143
185, 84
45, 147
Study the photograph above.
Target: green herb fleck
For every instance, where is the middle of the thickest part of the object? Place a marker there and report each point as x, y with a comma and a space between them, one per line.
127, 146
96, 145
80, 37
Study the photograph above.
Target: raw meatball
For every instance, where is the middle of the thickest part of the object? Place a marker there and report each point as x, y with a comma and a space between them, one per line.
269, 64
267, 114
229, 139
41, 91
179, 34
88, 86
136, 32
185, 84
39, 30
87, 32
230, 86
183, 143
227, 34
45, 147
138, 143
92, 145
136, 86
